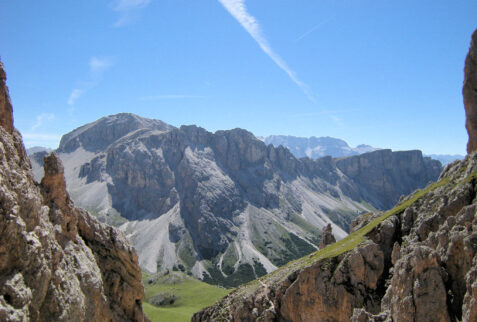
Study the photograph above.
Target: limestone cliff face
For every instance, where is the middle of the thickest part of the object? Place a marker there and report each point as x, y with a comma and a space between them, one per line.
57, 263
419, 264
384, 176
219, 204
470, 94
223, 206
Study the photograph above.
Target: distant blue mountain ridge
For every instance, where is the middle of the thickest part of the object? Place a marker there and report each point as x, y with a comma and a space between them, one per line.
317, 147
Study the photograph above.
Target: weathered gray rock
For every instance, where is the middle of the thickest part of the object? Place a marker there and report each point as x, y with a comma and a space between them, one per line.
417, 265
202, 190
383, 176
327, 237
57, 263
418, 291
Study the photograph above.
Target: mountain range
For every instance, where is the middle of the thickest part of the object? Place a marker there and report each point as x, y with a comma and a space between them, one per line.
318, 147
223, 206
415, 262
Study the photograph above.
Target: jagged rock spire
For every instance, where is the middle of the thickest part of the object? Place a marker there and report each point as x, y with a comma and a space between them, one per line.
469, 91
6, 111
327, 237
54, 180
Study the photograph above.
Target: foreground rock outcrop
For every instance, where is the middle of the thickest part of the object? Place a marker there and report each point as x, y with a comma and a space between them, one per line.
418, 264
470, 94
57, 263
6, 113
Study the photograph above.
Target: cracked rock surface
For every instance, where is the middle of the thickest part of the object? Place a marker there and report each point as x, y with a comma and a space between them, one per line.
417, 265
57, 263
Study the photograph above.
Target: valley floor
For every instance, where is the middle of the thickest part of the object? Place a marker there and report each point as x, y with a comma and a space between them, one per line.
187, 294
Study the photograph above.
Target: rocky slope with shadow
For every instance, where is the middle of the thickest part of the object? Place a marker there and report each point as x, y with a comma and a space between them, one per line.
57, 263
223, 206
415, 262
384, 176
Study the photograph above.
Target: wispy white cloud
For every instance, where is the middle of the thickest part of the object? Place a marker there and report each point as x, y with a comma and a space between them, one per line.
238, 10
97, 66
309, 31
41, 119
127, 10
75, 94
169, 96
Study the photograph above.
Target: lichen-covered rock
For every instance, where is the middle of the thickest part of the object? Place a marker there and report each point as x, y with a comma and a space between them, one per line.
470, 94
57, 263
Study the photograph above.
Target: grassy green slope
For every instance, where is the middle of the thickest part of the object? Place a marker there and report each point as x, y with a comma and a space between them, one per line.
340, 247
192, 295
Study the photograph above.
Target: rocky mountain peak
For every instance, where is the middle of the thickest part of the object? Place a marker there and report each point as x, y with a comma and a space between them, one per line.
98, 135
6, 112
54, 190
188, 197
470, 94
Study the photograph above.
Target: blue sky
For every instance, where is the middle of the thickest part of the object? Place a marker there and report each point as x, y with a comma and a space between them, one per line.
384, 73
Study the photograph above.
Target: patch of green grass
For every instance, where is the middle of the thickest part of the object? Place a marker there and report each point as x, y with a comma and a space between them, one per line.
279, 245
369, 206
303, 224
244, 273
340, 247
192, 296
186, 252
357, 237
341, 216
166, 314
229, 260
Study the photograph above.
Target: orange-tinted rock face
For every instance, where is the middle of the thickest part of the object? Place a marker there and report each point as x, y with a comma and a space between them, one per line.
470, 94
6, 115
57, 263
